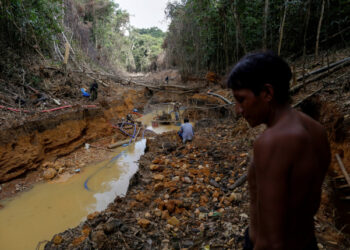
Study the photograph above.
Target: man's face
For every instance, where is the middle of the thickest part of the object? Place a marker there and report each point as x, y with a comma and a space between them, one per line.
250, 106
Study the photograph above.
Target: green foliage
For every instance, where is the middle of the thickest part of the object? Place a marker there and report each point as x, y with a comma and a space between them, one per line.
109, 26
146, 47
154, 32
30, 22
213, 34
131, 49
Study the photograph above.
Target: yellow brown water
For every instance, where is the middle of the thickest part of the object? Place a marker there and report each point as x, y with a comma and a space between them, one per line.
52, 207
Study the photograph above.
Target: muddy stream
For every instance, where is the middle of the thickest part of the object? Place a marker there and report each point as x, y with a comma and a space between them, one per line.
52, 207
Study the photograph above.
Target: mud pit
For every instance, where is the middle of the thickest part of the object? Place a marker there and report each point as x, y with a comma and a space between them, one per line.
55, 206
65, 201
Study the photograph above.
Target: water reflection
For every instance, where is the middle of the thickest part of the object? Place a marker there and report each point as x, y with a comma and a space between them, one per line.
52, 207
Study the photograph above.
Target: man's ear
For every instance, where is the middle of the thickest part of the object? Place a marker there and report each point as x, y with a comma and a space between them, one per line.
268, 92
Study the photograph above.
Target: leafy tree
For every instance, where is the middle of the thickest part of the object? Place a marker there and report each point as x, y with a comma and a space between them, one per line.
146, 46
30, 22
154, 32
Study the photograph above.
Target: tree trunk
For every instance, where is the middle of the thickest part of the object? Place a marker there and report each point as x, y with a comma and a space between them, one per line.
238, 28
307, 18
319, 29
226, 45
266, 15
282, 26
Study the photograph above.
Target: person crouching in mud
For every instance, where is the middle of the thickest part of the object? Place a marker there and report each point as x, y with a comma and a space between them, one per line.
291, 156
186, 131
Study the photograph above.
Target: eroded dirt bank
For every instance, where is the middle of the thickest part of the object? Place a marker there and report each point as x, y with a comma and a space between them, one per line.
29, 146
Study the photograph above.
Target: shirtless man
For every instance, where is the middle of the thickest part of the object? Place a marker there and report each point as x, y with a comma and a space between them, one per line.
291, 156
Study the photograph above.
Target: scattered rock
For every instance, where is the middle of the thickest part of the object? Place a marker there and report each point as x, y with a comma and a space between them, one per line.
158, 177
173, 221
187, 180
214, 183
235, 197
157, 212
144, 223
202, 216
203, 210
93, 215
86, 230
154, 167
112, 225
98, 237
165, 215
49, 173
158, 186
57, 239
187, 244
77, 241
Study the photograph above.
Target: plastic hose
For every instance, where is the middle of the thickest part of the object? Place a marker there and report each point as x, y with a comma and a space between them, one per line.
46, 110
121, 128
98, 170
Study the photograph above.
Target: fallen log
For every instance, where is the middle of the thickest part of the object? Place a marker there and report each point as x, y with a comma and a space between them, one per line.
320, 70
322, 75
219, 96
341, 165
307, 97
92, 146
118, 144
93, 73
239, 182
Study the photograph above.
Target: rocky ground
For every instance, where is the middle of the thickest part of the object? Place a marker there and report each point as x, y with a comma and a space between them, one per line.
186, 197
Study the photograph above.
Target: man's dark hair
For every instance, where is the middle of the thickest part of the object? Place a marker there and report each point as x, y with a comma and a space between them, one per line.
186, 120
255, 70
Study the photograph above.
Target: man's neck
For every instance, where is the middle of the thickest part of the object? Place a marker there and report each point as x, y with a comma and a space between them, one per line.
277, 112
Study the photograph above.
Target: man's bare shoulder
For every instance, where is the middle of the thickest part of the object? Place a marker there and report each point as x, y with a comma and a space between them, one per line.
296, 127
311, 124
288, 138
283, 138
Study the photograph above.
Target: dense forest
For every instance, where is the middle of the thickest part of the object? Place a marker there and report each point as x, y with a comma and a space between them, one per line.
204, 35
214, 34
99, 28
